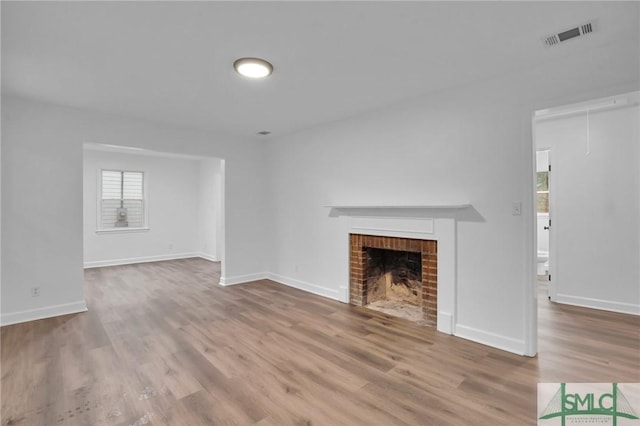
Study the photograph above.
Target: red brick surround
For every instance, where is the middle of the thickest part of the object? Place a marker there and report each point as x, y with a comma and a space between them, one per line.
358, 268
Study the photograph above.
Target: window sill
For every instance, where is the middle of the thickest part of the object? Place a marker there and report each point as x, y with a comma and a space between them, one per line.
121, 230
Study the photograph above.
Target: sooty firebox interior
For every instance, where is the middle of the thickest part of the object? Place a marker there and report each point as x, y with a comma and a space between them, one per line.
394, 276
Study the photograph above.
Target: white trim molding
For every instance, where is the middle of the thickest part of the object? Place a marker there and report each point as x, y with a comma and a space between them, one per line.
398, 207
122, 230
143, 259
42, 313
242, 279
209, 257
308, 287
419, 228
605, 305
491, 339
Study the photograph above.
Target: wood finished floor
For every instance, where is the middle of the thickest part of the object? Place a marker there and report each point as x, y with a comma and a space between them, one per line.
162, 344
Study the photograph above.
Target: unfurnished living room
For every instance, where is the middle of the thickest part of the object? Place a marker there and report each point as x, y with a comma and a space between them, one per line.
320, 213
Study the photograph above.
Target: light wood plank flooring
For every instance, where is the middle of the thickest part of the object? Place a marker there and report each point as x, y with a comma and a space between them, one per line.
163, 344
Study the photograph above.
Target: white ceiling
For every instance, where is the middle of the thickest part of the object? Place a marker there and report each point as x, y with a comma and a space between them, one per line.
172, 61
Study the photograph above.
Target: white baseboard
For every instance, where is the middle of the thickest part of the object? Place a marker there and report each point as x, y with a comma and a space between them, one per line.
41, 313
605, 305
143, 259
490, 339
208, 257
345, 294
242, 279
311, 288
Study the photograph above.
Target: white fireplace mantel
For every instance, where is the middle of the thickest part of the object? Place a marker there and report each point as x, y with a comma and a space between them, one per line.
413, 221
392, 207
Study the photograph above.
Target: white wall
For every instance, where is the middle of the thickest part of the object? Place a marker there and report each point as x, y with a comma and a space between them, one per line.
42, 239
471, 144
596, 211
180, 208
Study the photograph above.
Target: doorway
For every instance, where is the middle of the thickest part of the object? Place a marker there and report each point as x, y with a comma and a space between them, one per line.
593, 196
543, 218
171, 206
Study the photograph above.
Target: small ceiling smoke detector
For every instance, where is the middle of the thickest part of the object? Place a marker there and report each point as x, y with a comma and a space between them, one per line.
253, 67
264, 133
565, 35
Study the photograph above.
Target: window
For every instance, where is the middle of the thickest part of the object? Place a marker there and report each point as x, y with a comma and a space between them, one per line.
542, 192
122, 203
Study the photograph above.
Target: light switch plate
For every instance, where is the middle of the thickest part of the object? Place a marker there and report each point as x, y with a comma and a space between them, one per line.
516, 209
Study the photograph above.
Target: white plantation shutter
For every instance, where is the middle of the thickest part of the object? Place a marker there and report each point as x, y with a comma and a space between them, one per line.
122, 189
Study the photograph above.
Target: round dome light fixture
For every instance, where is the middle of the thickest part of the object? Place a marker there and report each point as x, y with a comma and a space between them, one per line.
253, 67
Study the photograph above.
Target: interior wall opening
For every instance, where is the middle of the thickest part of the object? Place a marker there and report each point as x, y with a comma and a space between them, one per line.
143, 206
587, 205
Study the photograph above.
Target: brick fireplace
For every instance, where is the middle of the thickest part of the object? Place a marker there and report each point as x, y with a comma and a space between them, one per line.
359, 286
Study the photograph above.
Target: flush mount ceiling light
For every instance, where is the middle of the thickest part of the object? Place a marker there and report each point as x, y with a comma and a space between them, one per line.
253, 67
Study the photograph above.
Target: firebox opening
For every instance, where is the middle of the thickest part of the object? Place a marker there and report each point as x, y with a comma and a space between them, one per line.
394, 275
394, 282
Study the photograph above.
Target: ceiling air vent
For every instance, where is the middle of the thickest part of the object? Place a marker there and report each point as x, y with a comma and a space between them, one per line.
565, 35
